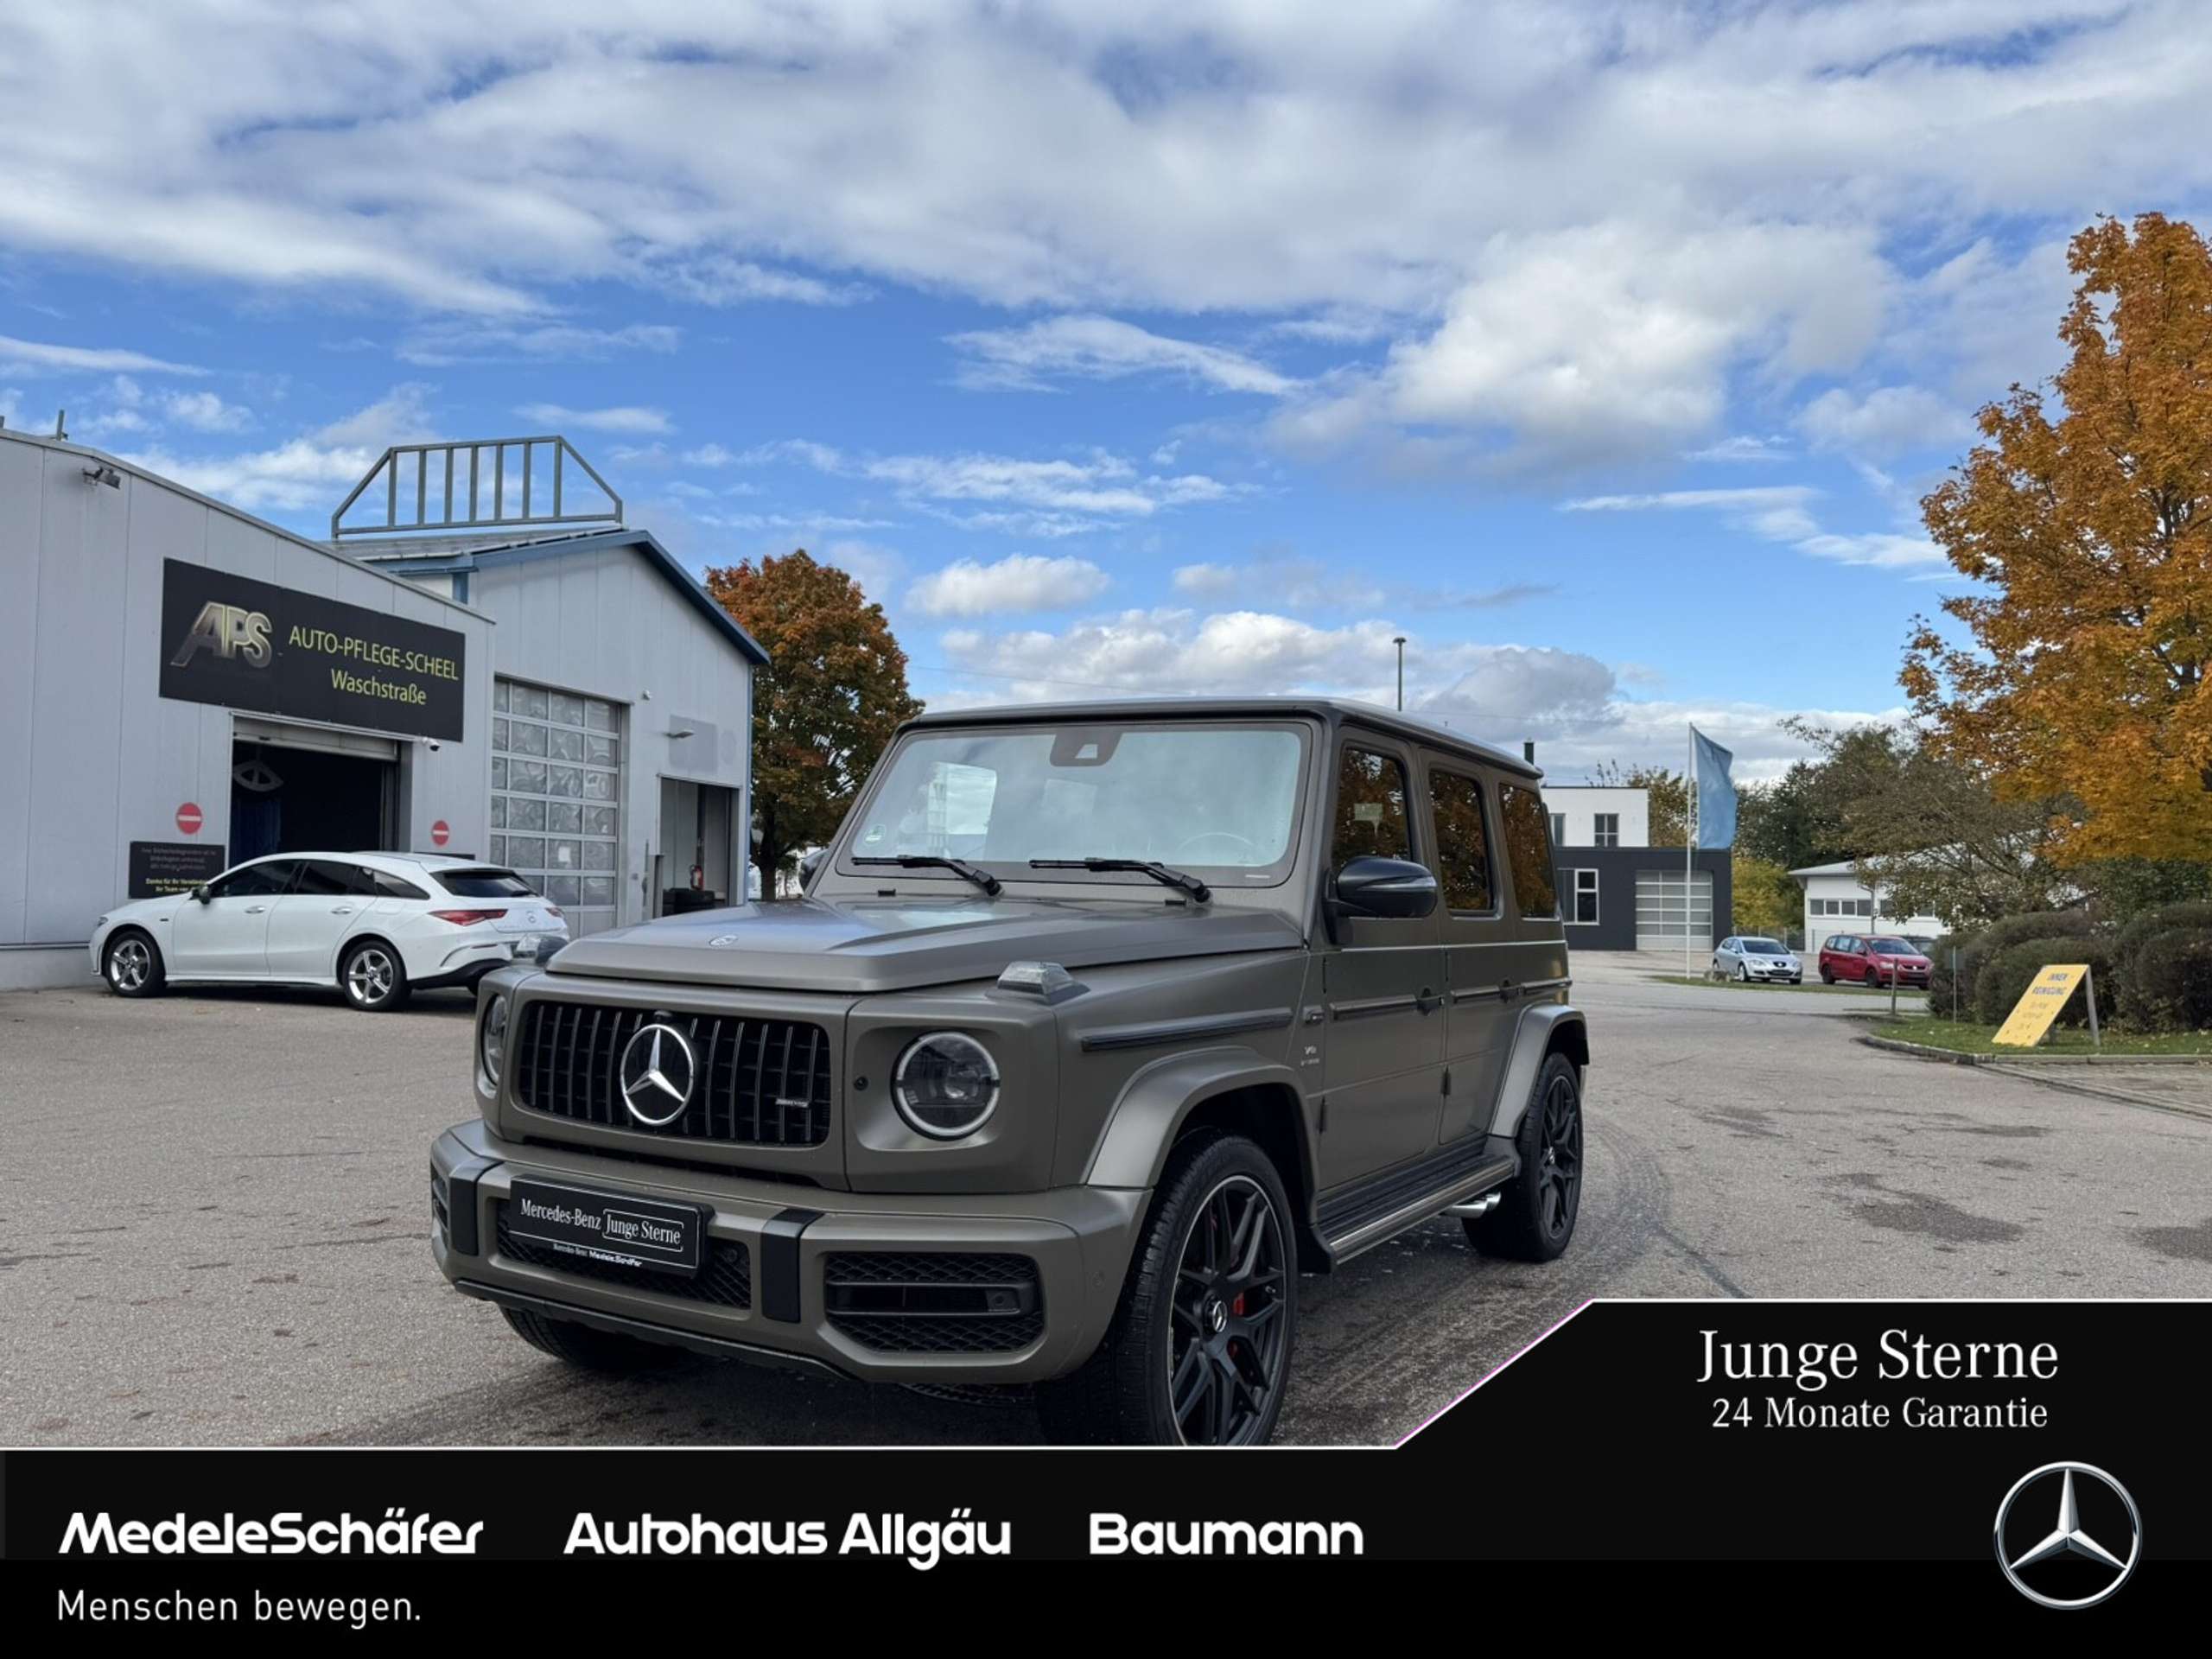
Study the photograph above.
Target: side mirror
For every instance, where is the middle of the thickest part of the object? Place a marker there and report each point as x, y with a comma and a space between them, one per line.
1394, 888
199, 892
809, 865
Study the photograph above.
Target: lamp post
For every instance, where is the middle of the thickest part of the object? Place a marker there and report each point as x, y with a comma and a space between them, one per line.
1400, 642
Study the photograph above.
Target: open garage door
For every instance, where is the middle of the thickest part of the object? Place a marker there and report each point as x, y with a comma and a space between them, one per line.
1664, 913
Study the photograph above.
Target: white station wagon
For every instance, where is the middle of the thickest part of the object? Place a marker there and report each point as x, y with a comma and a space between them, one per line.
376, 926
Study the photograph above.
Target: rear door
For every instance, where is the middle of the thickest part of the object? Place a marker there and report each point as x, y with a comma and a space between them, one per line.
1478, 959
306, 925
1383, 988
227, 938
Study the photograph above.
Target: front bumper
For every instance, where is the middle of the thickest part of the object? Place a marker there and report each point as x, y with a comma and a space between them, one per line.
793, 1308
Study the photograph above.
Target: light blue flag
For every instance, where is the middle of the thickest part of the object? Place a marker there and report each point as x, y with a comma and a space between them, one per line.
1716, 795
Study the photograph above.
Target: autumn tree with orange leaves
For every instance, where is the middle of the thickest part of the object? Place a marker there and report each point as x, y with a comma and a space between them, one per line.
834, 691
2087, 514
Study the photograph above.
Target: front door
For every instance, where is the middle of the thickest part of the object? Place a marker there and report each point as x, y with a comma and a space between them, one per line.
307, 922
227, 937
1383, 990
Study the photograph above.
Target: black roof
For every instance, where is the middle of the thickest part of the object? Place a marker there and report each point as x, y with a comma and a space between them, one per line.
1337, 711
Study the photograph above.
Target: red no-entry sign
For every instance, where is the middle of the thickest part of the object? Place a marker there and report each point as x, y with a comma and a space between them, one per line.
440, 833
188, 819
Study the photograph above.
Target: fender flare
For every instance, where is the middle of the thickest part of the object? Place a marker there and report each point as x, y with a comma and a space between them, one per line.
1540, 1029
1133, 1147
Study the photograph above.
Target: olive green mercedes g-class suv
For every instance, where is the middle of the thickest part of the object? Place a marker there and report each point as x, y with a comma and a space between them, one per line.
1097, 1025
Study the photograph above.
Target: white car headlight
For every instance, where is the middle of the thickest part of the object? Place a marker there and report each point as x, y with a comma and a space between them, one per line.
946, 1085
492, 1038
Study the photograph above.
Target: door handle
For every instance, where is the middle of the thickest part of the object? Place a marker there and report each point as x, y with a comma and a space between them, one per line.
255, 910
341, 910
1507, 990
1428, 1002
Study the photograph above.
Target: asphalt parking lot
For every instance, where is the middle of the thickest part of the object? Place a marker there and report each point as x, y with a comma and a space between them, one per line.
212, 1226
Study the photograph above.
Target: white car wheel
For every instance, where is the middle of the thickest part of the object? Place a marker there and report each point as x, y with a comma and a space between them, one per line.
373, 978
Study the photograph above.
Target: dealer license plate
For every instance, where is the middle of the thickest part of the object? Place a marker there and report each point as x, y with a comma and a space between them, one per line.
607, 1227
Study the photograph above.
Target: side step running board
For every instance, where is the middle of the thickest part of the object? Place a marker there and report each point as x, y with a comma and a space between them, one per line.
1454, 1185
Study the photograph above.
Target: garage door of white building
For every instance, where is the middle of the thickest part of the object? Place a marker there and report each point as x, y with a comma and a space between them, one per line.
1661, 915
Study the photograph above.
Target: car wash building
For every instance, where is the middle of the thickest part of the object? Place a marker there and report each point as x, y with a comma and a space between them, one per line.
507, 671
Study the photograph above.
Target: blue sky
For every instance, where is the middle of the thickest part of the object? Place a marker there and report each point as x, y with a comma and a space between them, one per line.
1602, 351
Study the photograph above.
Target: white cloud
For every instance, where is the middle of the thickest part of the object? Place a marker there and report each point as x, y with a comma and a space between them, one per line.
476, 340
1020, 495
310, 472
1569, 703
1741, 448
1782, 513
625, 417
1020, 582
204, 411
1103, 348
33, 357
1885, 421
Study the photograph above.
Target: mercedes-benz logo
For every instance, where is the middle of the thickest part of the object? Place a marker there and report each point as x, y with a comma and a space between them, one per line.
655, 1075
2069, 1541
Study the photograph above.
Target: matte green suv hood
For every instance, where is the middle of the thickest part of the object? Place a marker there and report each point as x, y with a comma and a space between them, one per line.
862, 945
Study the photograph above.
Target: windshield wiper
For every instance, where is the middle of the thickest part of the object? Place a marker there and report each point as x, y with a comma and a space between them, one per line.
959, 867
1159, 873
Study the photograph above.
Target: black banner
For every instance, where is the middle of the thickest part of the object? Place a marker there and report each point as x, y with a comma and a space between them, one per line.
1858, 1461
161, 867
250, 644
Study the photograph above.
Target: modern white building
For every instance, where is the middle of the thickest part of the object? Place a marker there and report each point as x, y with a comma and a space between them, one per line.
1837, 901
1596, 815
183, 686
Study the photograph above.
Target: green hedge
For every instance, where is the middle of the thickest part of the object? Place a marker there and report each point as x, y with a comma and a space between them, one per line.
2005, 976
2195, 914
1978, 947
2167, 983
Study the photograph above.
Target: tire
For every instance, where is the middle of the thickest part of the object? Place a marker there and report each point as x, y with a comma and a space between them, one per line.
1797, 979
1872, 982
1827, 978
589, 1350
373, 978
131, 964
1743, 974
1536, 1215
1178, 1336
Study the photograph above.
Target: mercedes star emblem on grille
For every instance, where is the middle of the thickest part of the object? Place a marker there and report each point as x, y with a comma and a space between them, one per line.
2069, 1540
655, 1075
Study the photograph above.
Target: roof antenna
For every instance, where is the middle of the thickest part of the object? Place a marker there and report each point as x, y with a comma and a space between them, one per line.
60, 416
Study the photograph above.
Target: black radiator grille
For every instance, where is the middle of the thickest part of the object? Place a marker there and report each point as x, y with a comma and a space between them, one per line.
725, 1276
934, 1302
762, 1082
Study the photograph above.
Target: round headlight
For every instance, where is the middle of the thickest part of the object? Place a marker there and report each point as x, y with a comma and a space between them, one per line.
492, 1038
945, 1085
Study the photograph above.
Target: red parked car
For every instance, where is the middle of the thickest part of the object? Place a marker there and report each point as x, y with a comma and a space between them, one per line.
1872, 961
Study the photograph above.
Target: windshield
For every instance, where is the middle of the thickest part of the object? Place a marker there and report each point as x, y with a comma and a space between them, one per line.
1218, 798
1764, 948
1891, 947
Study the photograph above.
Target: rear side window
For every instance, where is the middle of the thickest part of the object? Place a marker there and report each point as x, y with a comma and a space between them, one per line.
1462, 842
1371, 808
1527, 850
484, 884
387, 886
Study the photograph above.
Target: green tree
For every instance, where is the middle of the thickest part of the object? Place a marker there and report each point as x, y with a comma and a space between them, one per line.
834, 691
1767, 900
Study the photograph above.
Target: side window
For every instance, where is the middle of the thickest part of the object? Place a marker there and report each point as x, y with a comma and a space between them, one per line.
257, 880
1526, 852
1371, 808
1558, 829
391, 886
320, 878
1462, 842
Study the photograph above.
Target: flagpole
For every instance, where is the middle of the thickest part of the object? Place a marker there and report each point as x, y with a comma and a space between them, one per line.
1689, 794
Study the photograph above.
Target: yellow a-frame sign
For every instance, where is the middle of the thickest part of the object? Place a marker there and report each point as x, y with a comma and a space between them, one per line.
2040, 1003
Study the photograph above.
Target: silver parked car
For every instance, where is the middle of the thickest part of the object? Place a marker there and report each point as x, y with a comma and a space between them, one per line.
1747, 957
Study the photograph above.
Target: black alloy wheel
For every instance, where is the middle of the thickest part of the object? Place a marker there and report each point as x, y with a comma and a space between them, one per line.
1226, 1334
1559, 1141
